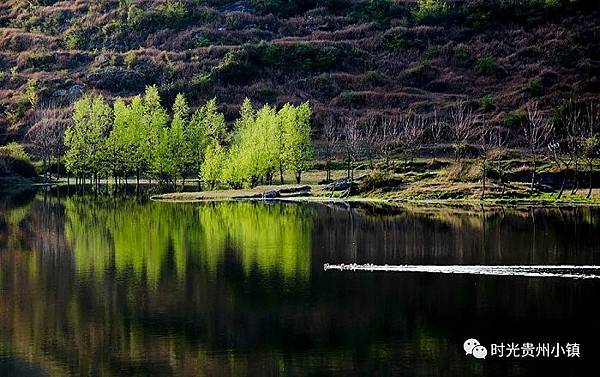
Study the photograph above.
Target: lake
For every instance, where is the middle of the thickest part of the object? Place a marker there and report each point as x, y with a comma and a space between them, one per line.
109, 286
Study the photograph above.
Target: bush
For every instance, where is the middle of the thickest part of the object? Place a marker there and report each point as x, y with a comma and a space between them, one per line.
38, 59
299, 56
378, 10
430, 9
534, 86
73, 40
487, 102
130, 58
515, 118
461, 52
288, 8
201, 41
173, 13
486, 65
15, 161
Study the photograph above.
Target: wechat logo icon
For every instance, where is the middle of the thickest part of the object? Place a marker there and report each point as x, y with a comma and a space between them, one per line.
473, 347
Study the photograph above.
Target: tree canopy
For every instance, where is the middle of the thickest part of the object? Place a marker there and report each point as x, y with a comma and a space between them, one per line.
141, 138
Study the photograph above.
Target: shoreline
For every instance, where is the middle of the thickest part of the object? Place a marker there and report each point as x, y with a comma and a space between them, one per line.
310, 197
315, 193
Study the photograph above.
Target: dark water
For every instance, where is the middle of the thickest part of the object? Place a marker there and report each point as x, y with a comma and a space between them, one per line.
104, 286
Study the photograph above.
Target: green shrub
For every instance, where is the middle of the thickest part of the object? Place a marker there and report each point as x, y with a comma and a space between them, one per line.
299, 56
288, 8
15, 161
201, 41
73, 40
486, 65
479, 19
515, 118
14, 150
376, 77
534, 86
31, 90
39, 59
487, 102
461, 52
135, 15
201, 79
173, 12
130, 58
430, 9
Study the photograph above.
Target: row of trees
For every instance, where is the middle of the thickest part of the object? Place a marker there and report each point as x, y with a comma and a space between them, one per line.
141, 138
569, 136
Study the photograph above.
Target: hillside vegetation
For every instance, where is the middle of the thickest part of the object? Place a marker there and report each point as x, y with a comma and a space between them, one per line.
374, 56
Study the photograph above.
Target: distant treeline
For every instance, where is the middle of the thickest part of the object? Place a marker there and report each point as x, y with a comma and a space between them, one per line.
141, 138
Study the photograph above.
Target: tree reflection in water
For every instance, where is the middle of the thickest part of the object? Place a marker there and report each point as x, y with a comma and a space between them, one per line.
105, 286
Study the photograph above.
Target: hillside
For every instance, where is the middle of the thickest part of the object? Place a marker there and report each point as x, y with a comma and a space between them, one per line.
342, 55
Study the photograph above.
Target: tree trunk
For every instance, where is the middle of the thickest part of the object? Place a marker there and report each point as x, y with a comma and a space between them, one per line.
562, 186
281, 173
483, 181
575, 179
533, 174
349, 166
590, 173
298, 177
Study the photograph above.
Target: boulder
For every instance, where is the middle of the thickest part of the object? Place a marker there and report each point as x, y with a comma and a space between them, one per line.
271, 194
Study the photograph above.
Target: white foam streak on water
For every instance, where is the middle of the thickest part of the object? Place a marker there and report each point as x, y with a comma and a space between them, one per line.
563, 271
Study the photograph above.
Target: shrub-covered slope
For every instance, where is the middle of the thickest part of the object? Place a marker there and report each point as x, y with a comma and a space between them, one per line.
342, 55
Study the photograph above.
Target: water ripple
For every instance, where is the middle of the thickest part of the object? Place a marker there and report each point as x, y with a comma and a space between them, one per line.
562, 271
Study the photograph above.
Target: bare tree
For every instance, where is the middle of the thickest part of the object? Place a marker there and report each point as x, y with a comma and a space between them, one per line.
352, 140
370, 137
500, 138
437, 127
412, 132
389, 132
462, 126
46, 134
591, 141
537, 132
566, 144
330, 140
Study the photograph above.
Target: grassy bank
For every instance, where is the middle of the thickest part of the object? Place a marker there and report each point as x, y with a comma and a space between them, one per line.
421, 181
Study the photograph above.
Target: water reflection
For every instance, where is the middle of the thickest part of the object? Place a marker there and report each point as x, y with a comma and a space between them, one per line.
116, 286
145, 239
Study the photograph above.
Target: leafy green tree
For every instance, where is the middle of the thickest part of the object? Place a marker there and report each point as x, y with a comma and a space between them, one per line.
86, 139
119, 144
213, 121
178, 140
232, 174
212, 168
139, 155
163, 163
297, 145
154, 120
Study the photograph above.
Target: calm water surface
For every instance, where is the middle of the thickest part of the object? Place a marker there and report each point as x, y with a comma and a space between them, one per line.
102, 286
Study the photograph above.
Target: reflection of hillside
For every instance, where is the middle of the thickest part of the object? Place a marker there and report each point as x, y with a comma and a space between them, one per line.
418, 235
209, 301
147, 238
